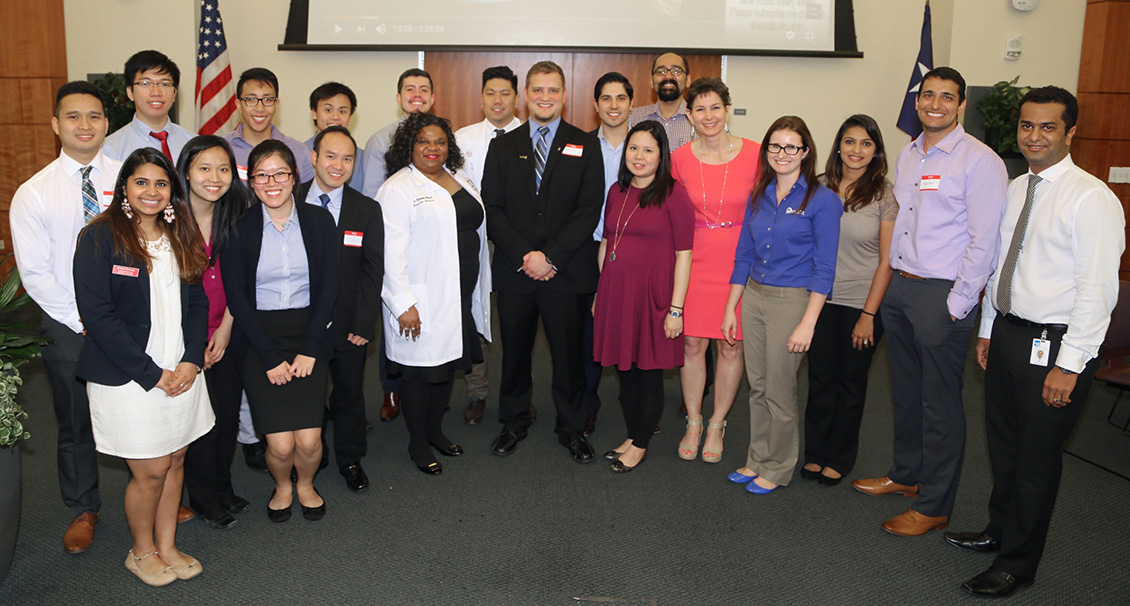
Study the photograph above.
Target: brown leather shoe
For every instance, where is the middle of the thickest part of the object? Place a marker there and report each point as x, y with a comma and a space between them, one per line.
80, 533
390, 409
913, 524
185, 514
884, 485
474, 413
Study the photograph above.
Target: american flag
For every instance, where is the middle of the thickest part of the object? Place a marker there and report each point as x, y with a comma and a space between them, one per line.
215, 88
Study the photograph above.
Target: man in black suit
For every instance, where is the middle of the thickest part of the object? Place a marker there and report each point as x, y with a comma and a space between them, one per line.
361, 237
542, 189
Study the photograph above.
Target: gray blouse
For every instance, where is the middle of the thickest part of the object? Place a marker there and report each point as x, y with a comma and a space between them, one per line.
858, 255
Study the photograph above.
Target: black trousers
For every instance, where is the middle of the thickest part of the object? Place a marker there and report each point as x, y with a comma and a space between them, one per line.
347, 404
77, 459
207, 465
1026, 440
837, 388
927, 352
641, 396
421, 404
563, 320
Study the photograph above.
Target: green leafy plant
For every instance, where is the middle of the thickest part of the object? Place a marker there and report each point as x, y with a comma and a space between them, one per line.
18, 345
1001, 109
119, 108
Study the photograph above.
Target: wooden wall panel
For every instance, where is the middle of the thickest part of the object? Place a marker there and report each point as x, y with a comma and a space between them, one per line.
34, 42
1104, 65
1103, 116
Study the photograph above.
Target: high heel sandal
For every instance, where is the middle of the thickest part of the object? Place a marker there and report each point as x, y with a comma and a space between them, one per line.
712, 457
157, 579
688, 453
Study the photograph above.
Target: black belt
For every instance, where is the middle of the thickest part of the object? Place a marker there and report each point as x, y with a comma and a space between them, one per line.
1018, 321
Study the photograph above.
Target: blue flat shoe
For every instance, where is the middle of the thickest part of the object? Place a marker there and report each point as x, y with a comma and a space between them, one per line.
740, 478
753, 488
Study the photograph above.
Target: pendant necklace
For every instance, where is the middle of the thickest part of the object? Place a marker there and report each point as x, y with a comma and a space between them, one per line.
620, 229
718, 220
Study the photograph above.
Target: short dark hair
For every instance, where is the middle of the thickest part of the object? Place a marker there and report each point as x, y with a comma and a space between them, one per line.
1054, 94
333, 128
151, 59
708, 85
501, 72
78, 87
609, 78
946, 73
681, 58
330, 90
414, 72
400, 150
257, 74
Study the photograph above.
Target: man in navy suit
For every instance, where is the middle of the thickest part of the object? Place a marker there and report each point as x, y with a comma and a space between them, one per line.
361, 238
542, 187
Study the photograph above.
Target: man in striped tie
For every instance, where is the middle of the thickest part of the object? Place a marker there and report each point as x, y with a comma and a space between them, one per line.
543, 189
152, 80
47, 213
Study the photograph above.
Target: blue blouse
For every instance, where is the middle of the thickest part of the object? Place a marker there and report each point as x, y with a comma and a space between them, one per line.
282, 277
782, 246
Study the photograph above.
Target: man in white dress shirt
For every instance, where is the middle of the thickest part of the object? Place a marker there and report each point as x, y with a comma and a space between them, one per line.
500, 102
152, 80
47, 213
1047, 310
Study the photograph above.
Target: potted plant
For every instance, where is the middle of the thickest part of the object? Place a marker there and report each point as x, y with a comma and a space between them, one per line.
1001, 109
18, 344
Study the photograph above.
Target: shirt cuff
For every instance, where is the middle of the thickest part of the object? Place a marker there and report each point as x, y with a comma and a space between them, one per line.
1071, 358
959, 306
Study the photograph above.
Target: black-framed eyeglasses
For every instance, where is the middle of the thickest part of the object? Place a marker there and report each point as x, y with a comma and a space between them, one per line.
263, 178
164, 85
790, 150
674, 71
253, 101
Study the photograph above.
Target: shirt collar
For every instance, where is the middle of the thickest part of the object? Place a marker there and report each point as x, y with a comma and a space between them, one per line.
72, 167
488, 128
1055, 171
534, 126
605, 141
143, 129
292, 220
946, 144
275, 134
316, 191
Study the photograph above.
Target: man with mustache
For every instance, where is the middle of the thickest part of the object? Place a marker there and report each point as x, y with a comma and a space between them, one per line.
669, 77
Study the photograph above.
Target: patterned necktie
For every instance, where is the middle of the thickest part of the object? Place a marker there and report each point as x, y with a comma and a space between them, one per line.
163, 137
1004, 286
541, 152
498, 132
89, 201
325, 200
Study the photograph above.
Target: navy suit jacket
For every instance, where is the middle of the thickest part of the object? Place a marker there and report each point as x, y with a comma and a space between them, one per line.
114, 307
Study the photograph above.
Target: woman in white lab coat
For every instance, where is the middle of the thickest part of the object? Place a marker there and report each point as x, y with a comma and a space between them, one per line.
437, 277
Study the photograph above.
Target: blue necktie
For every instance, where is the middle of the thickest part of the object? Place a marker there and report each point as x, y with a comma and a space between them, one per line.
541, 152
325, 200
89, 201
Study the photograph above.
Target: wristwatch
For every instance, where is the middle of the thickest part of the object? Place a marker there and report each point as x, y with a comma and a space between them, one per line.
674, 313
1065, 371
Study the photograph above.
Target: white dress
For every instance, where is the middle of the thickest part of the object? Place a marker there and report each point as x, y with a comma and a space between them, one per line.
132, 423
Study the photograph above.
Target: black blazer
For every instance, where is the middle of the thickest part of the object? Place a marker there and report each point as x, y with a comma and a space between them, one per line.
558, 220
114, 307
362, 270
240, 260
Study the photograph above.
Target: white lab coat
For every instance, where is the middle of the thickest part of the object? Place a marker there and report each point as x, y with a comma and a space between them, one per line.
422, 269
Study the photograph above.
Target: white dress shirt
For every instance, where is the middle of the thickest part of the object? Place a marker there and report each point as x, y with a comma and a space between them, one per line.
1067, 271
46, 217
135, 135
474, 141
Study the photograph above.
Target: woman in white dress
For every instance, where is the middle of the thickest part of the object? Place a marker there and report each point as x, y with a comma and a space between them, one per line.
137, 273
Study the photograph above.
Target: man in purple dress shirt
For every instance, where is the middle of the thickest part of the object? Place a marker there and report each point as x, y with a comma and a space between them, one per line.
951, 193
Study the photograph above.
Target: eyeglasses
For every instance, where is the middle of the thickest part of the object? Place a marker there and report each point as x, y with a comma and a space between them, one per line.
674, 71
164, 85
280, 177
791, 150
253, 101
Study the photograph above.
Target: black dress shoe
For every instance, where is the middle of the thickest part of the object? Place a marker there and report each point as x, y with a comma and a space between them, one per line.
507, 441
612, 455
579, 448
355, 478
808, 474
314, 513
619, 467
277, 515
220, 520
432, 469
973, 541
590, 425
255, 455
454, 450
995, 584
236, 504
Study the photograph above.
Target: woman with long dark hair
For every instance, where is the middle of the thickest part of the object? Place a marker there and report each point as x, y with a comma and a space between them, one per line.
645, 261
280, 279
437, 278
137, 274
849, 327
783, 272
217, 199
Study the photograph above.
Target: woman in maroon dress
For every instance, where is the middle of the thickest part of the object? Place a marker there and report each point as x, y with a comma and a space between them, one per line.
645, 260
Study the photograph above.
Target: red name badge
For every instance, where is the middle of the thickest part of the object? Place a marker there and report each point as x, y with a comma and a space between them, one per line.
573, 150
929, 183
354, 238
122, 270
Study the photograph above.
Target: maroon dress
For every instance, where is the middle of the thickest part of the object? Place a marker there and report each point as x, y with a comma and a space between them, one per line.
634, 293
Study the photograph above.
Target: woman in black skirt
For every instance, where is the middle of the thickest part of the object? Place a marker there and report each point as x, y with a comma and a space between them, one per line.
280, 277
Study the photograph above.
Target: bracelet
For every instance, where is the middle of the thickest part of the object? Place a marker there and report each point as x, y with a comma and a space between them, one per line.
867, 312
676, 307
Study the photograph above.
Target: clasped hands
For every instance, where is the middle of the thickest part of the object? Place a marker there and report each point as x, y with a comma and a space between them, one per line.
537, 267
177, 381
301, 367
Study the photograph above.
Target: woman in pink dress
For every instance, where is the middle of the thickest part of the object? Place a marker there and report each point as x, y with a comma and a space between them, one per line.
718, 171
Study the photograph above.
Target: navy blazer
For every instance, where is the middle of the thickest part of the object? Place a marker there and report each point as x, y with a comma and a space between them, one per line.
240, 260
114, 307
362, 269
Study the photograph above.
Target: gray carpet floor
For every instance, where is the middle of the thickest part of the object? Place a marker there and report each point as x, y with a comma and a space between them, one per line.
538, 529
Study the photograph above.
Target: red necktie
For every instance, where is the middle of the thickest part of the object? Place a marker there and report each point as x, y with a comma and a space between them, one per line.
163, 138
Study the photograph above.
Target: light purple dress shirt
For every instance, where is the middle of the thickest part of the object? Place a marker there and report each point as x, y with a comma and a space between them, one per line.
242, 149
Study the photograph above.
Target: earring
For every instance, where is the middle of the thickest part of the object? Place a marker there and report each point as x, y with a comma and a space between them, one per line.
169, 216
127, 209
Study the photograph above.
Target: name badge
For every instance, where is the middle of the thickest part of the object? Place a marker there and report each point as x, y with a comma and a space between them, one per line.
123, 270
242, 171
929, 183
573, 150
353, 238
107, 198
1041, 350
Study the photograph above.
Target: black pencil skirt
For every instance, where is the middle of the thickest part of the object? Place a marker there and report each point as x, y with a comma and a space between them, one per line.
298, 404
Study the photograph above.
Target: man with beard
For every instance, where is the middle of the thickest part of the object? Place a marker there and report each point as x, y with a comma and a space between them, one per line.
669, 77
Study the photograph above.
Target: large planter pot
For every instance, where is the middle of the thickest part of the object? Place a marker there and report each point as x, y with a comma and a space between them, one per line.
9, 507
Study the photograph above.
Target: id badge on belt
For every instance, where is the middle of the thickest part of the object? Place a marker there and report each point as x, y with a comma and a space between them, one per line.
1041, 350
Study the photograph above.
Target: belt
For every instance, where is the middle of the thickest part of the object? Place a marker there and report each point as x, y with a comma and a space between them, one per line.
1018, 321
712, 225
907, 274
